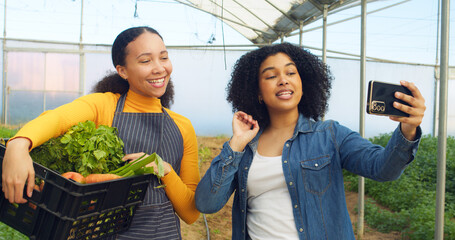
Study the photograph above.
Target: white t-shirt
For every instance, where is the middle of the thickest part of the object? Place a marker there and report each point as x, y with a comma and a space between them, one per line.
269, 213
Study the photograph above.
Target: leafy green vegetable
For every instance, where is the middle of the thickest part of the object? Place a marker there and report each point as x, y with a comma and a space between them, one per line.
83, 148
139, 167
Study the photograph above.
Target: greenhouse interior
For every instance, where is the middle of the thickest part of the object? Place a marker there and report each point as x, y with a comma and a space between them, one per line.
47, 41
55, 51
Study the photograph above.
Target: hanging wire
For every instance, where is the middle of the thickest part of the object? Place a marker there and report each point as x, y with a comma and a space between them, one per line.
206, 227
135, 10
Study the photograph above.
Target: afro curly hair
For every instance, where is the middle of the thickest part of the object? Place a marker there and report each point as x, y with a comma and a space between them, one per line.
243, 88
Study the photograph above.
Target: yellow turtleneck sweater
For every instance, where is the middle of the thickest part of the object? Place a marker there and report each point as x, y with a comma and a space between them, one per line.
100, 108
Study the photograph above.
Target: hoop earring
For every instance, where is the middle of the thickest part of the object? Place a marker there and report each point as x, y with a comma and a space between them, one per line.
260, 99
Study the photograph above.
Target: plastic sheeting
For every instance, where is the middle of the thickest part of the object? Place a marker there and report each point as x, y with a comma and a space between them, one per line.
264, 21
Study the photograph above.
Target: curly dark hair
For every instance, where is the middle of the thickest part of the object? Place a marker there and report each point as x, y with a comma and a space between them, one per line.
243, 88
112, 82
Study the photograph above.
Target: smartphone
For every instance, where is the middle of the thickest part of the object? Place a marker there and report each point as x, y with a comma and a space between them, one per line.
381, 96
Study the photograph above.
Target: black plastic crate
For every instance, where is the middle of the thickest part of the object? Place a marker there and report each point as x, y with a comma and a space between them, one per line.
65, 209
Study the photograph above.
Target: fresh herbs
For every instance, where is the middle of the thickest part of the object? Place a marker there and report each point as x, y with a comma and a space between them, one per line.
84, 148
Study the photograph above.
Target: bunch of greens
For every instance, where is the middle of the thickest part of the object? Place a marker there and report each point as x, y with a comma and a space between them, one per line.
83, 148
139, 167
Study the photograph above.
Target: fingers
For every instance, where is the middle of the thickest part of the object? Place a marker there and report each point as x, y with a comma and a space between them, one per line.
30, 183
255, 126
245, 118
244, 129
8, 187
132, 156
412, 87
152, 164
4, 186
14, 191
416, 110
167, 168
416, 101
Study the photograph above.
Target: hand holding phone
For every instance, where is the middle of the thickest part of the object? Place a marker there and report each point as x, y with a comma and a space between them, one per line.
381, 96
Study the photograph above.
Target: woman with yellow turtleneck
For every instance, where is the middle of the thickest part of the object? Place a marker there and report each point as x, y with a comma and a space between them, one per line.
135, 101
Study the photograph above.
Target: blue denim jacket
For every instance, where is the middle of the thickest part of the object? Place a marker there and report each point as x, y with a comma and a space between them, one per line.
312, 162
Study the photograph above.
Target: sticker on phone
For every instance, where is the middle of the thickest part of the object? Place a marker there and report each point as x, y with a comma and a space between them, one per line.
377, 107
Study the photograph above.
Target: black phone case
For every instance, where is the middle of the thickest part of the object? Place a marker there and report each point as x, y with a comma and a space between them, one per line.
381, 97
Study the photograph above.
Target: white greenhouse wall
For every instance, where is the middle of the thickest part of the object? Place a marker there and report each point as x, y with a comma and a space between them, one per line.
200, 78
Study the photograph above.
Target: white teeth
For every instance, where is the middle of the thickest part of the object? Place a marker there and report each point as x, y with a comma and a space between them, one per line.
157, 81
284, 93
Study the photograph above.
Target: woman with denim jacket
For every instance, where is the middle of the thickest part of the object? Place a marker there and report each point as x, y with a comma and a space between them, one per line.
283, 162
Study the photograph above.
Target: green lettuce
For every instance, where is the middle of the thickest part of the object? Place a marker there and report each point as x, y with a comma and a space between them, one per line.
84, 148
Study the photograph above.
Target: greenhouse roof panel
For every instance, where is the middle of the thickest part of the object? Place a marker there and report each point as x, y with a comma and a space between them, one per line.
265, 21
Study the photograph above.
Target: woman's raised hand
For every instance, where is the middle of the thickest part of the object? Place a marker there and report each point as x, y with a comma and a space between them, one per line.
244, 129
416, 110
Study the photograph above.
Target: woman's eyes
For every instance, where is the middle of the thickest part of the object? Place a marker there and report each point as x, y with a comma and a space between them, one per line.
273, 76
144, 59
148, 60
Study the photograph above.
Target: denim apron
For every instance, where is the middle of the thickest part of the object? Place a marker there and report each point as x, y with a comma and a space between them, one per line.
151, 132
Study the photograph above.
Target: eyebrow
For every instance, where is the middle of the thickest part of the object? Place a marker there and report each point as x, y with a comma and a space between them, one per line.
147, 53
270, 68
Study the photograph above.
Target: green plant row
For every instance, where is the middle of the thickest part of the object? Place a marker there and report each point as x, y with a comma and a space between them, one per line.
7, 132
411, 200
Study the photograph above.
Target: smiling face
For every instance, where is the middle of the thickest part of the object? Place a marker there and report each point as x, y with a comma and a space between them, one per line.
280, 86
147, 65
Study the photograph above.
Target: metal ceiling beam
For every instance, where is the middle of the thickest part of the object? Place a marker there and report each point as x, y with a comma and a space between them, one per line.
223, 18
295, 21
316, 5
350, 18
335, 5
260, 19
352, 4
224, 9
320, 7
332, 10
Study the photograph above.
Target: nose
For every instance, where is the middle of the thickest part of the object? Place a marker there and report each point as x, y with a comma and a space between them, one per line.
157, 67
283, 80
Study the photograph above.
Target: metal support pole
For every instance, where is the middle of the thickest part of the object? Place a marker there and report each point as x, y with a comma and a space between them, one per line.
361, 196
4, 83
442, 126
44, 83
436, 74
81, 55
324, 33
300, 33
